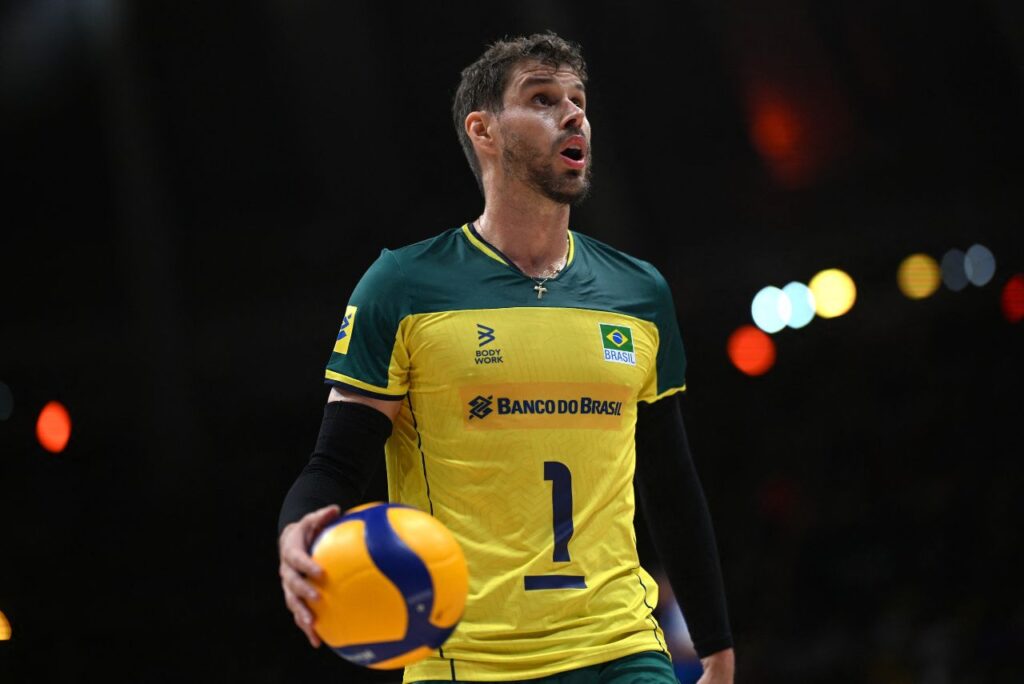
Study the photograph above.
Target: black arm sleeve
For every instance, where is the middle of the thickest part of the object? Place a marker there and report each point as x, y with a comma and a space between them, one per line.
348, 452
677, 515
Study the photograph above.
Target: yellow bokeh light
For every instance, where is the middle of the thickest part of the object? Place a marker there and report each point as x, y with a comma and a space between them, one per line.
5, 628
834, 292
919, 276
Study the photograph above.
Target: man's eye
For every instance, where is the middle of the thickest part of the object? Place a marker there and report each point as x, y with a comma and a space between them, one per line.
541, 99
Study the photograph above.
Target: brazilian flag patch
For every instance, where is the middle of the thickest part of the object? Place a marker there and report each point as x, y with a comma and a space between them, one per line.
617, 343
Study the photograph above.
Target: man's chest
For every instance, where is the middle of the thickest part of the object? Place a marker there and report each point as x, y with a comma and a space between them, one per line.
528, 346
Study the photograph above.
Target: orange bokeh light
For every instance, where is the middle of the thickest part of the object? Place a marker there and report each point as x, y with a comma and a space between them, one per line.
751, 350
1013, 298
53, 428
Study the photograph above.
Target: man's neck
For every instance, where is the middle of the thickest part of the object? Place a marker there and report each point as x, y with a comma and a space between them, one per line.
532, 233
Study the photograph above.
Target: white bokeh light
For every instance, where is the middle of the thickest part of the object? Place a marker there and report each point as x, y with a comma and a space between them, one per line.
801, 301
979, 265
771, 309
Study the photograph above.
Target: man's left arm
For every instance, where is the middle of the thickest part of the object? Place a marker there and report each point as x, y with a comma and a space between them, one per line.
679, 522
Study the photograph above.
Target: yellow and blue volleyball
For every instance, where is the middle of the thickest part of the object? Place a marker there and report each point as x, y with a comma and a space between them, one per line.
394, 585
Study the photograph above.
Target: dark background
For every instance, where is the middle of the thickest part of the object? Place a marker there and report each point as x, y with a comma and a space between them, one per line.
191, 190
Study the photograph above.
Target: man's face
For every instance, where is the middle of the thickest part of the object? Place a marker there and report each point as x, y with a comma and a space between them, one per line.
545, 132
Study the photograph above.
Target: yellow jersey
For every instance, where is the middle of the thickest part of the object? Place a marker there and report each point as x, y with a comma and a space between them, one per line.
516, 431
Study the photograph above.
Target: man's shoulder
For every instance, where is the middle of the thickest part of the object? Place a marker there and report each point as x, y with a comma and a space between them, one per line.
434, 248
422, 274
412, 259
611, 262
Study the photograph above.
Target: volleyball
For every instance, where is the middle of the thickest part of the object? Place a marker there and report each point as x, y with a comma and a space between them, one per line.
394, 585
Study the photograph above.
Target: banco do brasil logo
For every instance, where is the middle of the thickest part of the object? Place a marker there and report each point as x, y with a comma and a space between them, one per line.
480, 407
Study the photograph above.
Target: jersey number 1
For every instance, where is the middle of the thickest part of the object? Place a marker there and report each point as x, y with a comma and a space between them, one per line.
560, 477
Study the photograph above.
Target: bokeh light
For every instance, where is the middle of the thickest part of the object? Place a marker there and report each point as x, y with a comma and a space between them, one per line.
5, 627
770, 309
1013, 298
801, 303
918, 276
776, 128
979, 265
834, 292
53, 428
954, 275
6, 402
793, 130
751, 350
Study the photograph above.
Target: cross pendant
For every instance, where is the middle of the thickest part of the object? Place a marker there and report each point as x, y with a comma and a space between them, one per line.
540, 290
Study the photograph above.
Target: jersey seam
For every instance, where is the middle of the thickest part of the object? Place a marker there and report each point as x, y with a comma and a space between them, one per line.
651, 616
430, 501
423, 455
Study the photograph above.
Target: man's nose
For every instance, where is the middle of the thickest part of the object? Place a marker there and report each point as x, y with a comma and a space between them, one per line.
574, 116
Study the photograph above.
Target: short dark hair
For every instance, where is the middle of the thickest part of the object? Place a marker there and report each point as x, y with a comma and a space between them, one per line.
483, 82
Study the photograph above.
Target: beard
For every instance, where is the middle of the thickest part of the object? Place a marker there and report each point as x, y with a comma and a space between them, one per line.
535, 167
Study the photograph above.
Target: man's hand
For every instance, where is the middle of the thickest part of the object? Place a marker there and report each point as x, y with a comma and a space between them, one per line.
719, 668
297, 566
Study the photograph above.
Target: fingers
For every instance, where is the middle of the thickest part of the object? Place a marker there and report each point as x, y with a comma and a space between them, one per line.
294, 582
297, 565
311, 636
296, 592
295, 556
302, 615
313, 522
296, 538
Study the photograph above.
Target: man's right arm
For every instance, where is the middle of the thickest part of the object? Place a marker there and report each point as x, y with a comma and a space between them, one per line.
348, 452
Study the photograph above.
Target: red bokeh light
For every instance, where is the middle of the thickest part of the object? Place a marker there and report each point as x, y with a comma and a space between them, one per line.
751, 350
776, 129
53, 428
1013, 298
798, 132
783, 135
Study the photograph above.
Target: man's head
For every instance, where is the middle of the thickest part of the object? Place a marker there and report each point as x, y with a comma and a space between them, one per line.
522, 104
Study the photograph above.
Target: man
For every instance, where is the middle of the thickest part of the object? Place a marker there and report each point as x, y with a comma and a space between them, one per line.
515, 372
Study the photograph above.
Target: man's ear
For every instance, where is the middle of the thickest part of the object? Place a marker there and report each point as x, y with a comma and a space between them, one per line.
480, 129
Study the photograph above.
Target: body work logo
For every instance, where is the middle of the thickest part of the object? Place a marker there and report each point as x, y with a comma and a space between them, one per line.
484, 336
617, 343
348, 321
545, 405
